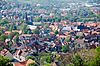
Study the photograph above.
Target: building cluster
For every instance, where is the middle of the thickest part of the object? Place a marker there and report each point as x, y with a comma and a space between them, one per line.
74, 36
41, 33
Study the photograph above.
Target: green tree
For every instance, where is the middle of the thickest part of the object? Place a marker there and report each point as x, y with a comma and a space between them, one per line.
3, 37
48, 64
37, 19
77, 60
56, 32
76, 37
4, 61
48, 59
95, 60
15, 33
16, 39
65, 48
3, 22
31, 57
33, 64
36, 31
90, 63
57, 19
1, 32
67, 39
97, 56
29, 31
10, 36
23, 26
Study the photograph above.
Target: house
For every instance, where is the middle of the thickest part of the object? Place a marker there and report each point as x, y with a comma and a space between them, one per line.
6, 53
32, 27
81, 27
2, 27
19, 55
2, 43
37, 23
61, 36
24, 63
80, 43
66, 29
97, 30
80, 34
25, 36
19, 31
8, 32
54, 27
76, 28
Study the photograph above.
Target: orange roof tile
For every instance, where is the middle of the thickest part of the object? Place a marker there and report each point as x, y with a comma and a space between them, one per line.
25, 63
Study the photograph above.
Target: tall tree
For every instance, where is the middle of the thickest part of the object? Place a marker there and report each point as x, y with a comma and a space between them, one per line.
4, 61
77, 60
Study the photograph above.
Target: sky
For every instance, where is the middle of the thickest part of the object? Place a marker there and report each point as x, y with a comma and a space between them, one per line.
31, 1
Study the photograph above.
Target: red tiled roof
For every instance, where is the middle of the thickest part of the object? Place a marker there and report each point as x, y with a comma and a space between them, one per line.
25, 63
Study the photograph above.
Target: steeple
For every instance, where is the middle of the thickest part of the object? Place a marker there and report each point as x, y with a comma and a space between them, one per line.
26, 18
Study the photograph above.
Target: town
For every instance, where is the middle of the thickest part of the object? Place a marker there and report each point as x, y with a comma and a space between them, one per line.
53, 33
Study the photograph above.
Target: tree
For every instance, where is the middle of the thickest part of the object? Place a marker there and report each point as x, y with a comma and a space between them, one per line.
10, 44
77, 60
97, 58
46, 25
48, 59
76, 37
57, 19
67, 39
48, 64
16, 39
23, 27
3, 22
11, 28
29, 31
91, 63
15, 33
65, 48
31, 57
36, 31
56, 32
1, 32
3, 37
4, 61
33, 64
37, 19
10, 36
